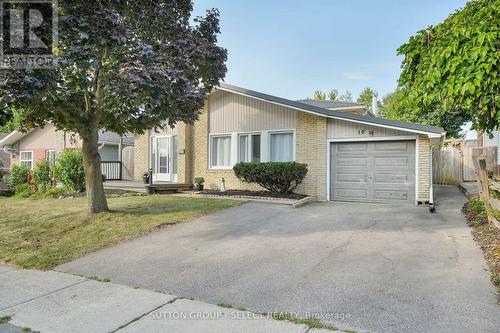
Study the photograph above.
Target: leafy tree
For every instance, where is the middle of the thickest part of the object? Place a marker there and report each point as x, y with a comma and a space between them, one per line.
333, 94
452, 68
345, 97
122, 66
13, 123
366, 96
319, 95
397, 105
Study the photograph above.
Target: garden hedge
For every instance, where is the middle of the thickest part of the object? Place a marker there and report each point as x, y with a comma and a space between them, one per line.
282, 177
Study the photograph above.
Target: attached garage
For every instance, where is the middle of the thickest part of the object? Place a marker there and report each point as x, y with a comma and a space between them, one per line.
373, 171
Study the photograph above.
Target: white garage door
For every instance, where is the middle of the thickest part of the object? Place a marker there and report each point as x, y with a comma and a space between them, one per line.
379, 171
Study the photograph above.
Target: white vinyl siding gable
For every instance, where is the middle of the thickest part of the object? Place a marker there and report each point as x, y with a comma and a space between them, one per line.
230, 112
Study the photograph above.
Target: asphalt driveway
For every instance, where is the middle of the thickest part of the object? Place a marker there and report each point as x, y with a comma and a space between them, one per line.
375, 268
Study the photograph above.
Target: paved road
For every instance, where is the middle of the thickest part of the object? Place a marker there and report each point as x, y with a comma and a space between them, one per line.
383, 268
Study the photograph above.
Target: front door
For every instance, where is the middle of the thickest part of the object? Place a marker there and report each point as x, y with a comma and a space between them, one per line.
162, 147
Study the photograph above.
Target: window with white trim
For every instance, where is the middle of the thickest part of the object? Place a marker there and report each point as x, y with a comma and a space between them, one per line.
26, 158
50, 156
220, 151
281, 147
249, 148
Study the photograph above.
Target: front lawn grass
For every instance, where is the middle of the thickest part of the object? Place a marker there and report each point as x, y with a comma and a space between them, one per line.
42, 233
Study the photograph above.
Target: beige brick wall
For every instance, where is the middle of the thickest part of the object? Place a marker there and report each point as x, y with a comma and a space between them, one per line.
200, 160
423, 168
311, 149
141, 155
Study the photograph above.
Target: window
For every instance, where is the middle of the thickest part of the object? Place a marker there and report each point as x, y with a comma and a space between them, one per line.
50, 156
281, 147
221, 151
256, 148
249, 148
243, 148
27, 159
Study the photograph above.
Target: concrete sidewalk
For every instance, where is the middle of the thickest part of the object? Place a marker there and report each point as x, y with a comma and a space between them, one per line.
49, 301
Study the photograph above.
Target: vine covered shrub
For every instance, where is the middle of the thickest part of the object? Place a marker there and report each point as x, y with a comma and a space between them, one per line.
282, 177
18, 175
41, 175
69, 170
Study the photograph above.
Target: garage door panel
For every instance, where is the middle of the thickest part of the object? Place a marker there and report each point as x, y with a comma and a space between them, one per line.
349, 193
352, 177
352, 161
373, 171
390, 195
391, 161
353, 147
393, 178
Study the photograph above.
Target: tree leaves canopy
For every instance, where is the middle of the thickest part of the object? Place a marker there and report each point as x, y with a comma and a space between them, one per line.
123, 66
455, 65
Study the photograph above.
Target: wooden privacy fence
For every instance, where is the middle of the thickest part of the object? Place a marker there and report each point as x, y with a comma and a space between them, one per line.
454, 163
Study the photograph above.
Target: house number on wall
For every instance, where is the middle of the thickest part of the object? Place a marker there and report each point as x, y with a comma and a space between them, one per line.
361, 131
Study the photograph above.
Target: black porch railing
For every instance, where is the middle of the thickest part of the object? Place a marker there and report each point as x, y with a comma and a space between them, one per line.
112, 170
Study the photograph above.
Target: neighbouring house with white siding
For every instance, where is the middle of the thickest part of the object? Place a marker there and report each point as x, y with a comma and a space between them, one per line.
351, 154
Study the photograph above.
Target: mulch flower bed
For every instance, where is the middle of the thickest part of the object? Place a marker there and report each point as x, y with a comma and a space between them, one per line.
488, 238
259, 194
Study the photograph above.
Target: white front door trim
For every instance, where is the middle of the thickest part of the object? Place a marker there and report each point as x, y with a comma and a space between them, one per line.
168, 176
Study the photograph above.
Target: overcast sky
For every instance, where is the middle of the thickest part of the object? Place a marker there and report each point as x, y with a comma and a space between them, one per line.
290, 48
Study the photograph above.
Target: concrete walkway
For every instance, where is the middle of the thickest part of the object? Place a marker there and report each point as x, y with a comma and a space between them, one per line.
49, 301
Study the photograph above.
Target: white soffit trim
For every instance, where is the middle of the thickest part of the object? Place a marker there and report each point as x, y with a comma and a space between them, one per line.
429, 134
12, 138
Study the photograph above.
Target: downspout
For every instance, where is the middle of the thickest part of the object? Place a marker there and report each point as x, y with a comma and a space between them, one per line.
432, 209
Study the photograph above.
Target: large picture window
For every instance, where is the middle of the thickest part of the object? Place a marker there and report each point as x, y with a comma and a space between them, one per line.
221, 151
281, 147
27, 159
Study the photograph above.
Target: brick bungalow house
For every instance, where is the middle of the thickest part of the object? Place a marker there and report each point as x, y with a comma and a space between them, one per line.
351, 154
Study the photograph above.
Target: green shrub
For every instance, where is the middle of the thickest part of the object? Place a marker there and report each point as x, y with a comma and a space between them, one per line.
23, 191
41, 175
69, 169
18, 175
476, 206
281, 177
199, 180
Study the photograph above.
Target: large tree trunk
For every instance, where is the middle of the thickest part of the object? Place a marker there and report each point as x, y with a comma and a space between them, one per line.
92, 165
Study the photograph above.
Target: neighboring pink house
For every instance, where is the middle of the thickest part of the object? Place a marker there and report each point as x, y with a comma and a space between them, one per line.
45, 143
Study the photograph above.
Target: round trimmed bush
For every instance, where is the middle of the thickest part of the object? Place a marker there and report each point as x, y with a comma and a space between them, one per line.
282, 177
69, 170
